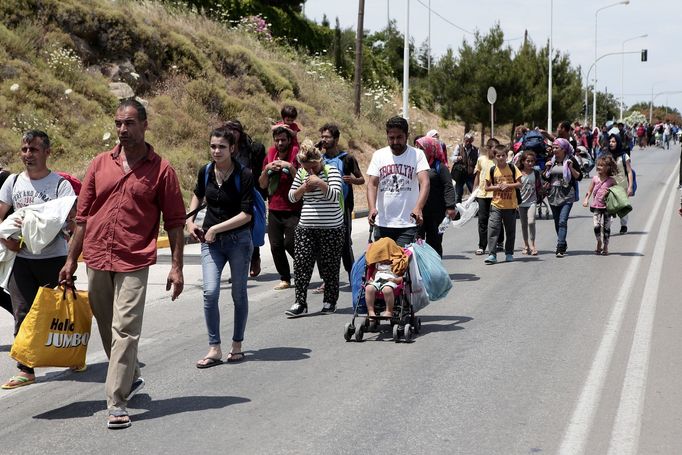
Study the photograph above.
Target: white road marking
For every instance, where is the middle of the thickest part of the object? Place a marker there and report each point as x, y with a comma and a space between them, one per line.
580, 425
628, 423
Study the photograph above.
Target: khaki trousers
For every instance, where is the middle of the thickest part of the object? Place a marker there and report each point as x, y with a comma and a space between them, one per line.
117, 300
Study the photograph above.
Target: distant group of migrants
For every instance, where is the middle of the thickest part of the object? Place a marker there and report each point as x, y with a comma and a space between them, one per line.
308, 186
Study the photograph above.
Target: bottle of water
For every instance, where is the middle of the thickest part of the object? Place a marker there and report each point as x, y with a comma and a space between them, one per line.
444, 225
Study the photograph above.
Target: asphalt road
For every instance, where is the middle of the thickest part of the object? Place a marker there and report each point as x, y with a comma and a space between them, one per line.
542, 355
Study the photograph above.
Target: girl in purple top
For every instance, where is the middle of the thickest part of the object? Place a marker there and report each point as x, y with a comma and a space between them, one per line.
599, 187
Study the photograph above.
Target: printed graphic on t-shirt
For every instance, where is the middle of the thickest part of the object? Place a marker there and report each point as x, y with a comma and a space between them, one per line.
25, 198
396, 178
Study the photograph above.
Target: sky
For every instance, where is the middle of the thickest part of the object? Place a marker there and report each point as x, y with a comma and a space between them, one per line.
573, 33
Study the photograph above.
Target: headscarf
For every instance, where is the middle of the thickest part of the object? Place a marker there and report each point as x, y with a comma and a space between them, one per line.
619, 146
432, 133
432, 148
568, 149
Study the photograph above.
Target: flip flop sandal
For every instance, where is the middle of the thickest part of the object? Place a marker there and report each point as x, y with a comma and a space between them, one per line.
524, 251
235, 357
19, 381
534, 252
122, 420
319, 290
210, 362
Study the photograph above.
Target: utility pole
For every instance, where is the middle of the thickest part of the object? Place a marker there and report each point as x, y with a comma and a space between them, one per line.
429, 45
388, 15
406, 64
359, 34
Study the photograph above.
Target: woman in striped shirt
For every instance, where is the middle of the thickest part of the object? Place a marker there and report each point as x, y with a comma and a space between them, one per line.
319, 234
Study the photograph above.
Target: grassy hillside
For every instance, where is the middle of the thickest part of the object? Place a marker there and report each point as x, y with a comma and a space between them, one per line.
58, 57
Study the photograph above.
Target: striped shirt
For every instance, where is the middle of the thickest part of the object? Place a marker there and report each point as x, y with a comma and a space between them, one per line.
320, 210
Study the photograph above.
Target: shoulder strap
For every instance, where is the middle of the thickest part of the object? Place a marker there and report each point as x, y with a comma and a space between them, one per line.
492, 174
207, 169
56, 193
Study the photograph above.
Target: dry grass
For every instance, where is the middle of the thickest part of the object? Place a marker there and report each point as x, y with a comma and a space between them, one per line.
197, 73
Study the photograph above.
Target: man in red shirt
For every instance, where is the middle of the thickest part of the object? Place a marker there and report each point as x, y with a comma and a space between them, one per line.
124, 192
279, 170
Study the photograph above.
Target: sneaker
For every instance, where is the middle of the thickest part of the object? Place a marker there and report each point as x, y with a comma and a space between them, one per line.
499, 247
479, 252
509, 257
296, 310
328, 308
138, 385
492, 259
560, 254
623, 229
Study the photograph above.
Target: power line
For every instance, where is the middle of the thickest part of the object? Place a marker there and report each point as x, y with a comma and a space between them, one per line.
436, 13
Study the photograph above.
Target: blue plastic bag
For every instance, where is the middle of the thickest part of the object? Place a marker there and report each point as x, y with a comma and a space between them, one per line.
434, 276
357, 274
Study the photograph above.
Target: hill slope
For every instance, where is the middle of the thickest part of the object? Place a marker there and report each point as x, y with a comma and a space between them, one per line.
59, 57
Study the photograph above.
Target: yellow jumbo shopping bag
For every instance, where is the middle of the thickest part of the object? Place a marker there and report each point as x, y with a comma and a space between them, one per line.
56, 331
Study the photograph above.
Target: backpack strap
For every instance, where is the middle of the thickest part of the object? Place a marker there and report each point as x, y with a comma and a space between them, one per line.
207, 169
492, 174
56, 193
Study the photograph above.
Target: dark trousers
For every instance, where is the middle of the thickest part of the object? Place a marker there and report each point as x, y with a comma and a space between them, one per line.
281, 229
347, 252
459, 187
499, 218
27, 276
6, 301
483, 215
324, 247
401, 236
429, 232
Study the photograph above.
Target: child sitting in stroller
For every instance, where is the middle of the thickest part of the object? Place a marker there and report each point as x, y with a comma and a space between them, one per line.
384, 281
389, 263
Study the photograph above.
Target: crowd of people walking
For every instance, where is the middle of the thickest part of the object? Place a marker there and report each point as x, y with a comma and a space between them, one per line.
308, 186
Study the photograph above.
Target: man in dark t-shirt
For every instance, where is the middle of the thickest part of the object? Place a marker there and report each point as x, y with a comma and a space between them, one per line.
351, 174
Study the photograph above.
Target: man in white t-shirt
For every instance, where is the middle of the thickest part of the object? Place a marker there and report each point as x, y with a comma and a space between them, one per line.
398, 186
36, 185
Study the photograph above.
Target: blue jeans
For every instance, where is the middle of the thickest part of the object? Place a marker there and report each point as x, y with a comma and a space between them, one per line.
235, 248
561, 213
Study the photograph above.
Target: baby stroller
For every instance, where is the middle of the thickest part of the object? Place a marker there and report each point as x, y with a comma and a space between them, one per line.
403, 322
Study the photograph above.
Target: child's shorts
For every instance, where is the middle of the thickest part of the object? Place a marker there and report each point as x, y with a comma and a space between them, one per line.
381, 283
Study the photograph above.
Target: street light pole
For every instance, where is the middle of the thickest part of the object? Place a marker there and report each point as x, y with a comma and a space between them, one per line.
587, 76
406, 64
651, 103
549, 63
594, 92
358, 55
622, 70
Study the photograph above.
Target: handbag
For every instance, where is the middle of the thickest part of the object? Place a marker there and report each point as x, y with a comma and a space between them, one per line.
459, 172
56, 331
617, 202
